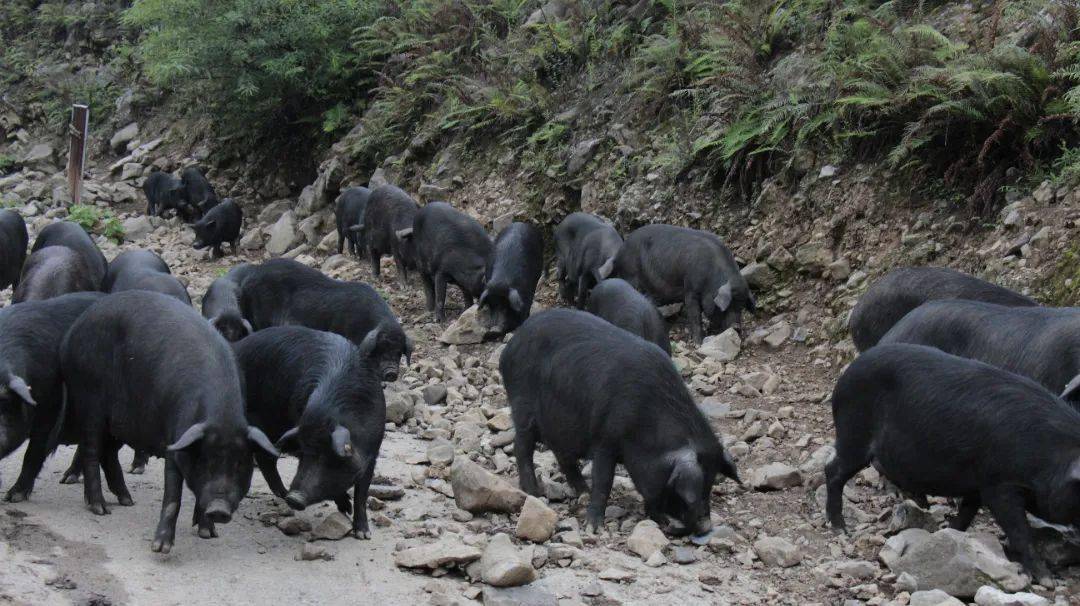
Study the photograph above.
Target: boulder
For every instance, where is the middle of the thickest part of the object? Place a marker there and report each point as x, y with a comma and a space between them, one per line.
537, 521
758, 275
723, 347
446, 552
251, 240
955, 562
647, 539
933, 597
777, 551
503, 565
40, 157
477, 490
529, 595
283, 235
273, 211
909, 515
137, 228
122, 137
465, 330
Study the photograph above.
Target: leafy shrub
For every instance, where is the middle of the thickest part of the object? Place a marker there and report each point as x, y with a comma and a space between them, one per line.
97, 221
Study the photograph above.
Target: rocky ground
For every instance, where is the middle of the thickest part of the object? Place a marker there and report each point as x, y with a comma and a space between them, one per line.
450, 525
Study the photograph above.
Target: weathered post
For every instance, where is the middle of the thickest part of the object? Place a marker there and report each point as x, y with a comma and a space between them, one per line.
80, 128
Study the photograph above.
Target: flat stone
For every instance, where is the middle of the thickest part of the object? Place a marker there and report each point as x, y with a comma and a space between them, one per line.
647, 539
933, 597
311, 552
992, 596
528, 595
333, 527
503, 565
477, 490
775, 476
777, 551
537, 521
293, 525
723, 347
440, 554
955, 562
465, 330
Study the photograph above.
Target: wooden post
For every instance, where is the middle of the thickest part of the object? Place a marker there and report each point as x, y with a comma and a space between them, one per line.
80, 128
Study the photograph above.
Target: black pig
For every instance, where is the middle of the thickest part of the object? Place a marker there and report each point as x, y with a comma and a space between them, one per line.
71, 235
512, 273
169, 388
219, 225
586, 388
51, 272
936, 424
617, 302
568, 237
679, 265
13, 242
221, 305
592, 261
902, 290
388, 220
349, 213
143, 270
166, 192
197, 191
282, 291
1041, 343
320, 397
451, 248
31, 391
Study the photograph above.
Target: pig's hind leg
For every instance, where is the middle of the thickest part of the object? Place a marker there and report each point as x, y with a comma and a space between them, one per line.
969, 507
114, 474
1007, 506
570, 468
603, 476
524, 447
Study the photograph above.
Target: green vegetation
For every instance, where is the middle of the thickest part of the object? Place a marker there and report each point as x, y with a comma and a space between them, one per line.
97, 221
7, 163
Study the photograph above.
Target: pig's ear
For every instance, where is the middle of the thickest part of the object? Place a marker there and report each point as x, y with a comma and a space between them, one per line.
341, 441
723, 297
1071, 389
287, 441
408, 349
356, 228
247, 325
516, 303
367, 346
192, 435
686, 477
19, 387
604, 271
210, 223
259, 439
404, 233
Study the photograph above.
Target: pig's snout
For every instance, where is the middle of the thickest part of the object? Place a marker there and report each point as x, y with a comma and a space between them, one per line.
390, 374
296, 499
703, 527
218, 512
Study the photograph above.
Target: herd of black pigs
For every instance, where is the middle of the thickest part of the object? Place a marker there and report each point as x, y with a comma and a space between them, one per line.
962, 388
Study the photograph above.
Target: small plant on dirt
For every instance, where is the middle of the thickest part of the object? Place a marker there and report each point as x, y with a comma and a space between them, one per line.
97, 221
7, 163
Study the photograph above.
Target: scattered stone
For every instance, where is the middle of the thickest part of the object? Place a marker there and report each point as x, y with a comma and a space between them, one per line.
778, 334
478, 490
955, 562
465, 330
992, 596
580, 155
777, 551
399, 407
616, 575
780, 259
311, 551
775, 476
684, 555
537, 521
723, 347
124, 136
714, 408
334, 527
758, 275
293, 525
502, 222
909, 515
528, 595
813, 258
251, 240
828, 171
440, 453
933, 597
503, 565
647, 539
385, 492
434, 394
449, 551
40, 157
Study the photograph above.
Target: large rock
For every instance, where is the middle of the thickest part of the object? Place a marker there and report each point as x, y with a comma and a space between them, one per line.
580, 155
529, 595
477, 490
251, 240
933, 597
813, 258
758, 275
283, 235
316, 196
40, 157
647, 539
441, 554
503, 565
537, 521
775, 476
334, 527
777, 551
723, 347
137, 228
992, 596
465, 330
122, 137
551, 11
955, 562
273, 211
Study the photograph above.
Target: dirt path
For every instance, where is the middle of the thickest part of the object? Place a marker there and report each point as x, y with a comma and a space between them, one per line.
56, 552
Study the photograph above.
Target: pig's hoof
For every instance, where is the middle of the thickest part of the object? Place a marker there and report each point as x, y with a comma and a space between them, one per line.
594, 527
17, 496
71, 478
207, 532
99, 509
362, 535
125, 500
161, 546
137, 469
